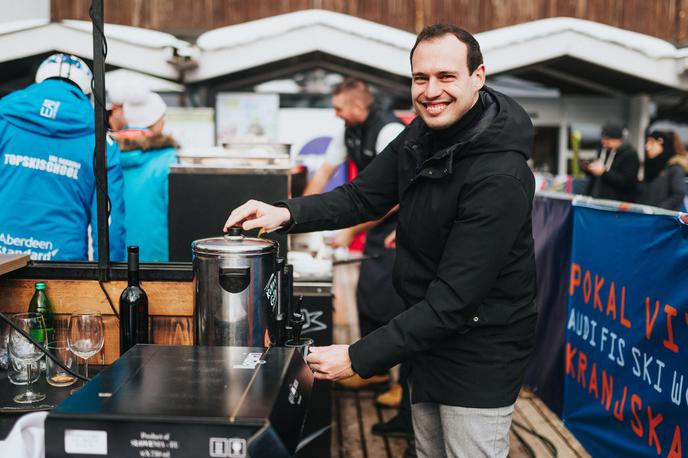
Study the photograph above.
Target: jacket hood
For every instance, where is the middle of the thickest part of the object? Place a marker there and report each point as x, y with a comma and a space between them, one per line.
144, 140
52, 108
681, 161
140, 146
504, 126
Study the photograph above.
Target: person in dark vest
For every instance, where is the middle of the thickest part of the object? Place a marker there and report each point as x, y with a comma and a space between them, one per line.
614, 174
368, 130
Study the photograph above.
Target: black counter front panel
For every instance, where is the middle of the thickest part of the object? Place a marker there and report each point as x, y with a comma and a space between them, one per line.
200, 204
175, 401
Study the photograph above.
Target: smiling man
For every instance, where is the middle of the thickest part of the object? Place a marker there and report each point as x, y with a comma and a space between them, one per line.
465, 265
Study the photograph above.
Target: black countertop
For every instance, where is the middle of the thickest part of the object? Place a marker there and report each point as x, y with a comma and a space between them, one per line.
10, 411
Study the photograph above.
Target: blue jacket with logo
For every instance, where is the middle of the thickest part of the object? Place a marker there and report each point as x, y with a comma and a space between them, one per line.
47, 181
146, 161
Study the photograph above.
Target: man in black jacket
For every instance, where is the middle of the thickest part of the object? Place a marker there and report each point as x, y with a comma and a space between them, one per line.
465, 265
614, 174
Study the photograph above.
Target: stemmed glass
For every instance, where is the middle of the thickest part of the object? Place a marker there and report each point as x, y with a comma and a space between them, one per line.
85, 335
23, 350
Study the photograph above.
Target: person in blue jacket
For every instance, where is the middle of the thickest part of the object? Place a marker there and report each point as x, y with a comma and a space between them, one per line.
146, 158
47, 180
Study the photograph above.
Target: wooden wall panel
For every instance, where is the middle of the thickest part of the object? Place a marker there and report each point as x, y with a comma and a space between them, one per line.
172, 330
662, 18
170, 305
164, 298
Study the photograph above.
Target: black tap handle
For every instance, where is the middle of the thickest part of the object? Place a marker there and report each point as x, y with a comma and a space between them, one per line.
288, 333
280, 325
297, 324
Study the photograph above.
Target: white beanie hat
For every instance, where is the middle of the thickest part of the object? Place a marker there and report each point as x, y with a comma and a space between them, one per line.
143, 108
115, 92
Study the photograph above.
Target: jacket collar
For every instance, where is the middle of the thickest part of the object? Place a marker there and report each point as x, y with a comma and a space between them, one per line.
420, 140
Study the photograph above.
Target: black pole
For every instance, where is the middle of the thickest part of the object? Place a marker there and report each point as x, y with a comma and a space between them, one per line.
100, 161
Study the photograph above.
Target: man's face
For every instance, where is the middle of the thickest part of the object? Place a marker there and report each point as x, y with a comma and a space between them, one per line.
442, 88
116, 119
610, 143
349, 109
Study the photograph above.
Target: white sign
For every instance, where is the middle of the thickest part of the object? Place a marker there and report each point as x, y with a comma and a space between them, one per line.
191, 127
310, 131
246, 117
85, 442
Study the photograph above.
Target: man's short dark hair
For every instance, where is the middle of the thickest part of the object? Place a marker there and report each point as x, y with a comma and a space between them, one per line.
356, 87
431, 32
612, 130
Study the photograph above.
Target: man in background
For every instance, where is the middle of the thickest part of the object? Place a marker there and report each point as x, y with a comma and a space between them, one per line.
47, 179
614, 174
368, 130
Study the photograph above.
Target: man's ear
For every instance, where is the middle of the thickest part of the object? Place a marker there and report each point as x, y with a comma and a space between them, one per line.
478, 77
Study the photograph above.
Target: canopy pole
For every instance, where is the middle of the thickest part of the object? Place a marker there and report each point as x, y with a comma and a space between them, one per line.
97, 16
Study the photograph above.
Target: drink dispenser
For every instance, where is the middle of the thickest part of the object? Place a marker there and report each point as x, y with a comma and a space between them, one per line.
237, 283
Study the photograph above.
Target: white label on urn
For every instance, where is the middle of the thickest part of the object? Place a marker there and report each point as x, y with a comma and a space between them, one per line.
85, 441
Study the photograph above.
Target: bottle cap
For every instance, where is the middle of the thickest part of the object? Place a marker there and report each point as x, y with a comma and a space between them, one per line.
40, 286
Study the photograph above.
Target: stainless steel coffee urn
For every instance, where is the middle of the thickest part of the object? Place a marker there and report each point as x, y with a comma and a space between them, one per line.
236, 289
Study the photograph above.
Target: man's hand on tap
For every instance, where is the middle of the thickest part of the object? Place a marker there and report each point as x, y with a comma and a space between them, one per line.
255, 214
330, 363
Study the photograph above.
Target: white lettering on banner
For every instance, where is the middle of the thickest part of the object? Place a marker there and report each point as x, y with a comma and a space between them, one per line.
49, 108
28, 246
677, 389
645, 366
55, 165
585, 327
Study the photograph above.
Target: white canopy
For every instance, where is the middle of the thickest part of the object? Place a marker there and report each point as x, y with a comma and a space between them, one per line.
134, 48
556, 52
239, 47
534, 44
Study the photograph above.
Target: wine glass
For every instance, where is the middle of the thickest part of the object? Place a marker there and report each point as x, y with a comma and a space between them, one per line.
23, 350
85, 335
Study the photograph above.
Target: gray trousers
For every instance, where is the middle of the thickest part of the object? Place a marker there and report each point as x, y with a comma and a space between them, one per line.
456, 432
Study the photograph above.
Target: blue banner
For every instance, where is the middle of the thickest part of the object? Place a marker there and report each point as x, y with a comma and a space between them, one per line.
552, 232
626, 355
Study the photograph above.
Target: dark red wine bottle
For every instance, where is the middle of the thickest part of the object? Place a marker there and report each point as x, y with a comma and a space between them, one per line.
133, 307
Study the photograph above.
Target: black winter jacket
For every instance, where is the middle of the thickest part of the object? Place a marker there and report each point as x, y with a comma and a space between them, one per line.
620, 181
668, 189
465, 264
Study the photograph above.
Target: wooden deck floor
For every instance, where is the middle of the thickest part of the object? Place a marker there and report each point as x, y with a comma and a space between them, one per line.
535, 432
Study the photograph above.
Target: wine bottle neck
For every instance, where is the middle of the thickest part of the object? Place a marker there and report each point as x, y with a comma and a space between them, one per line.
133, 268
133, 276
